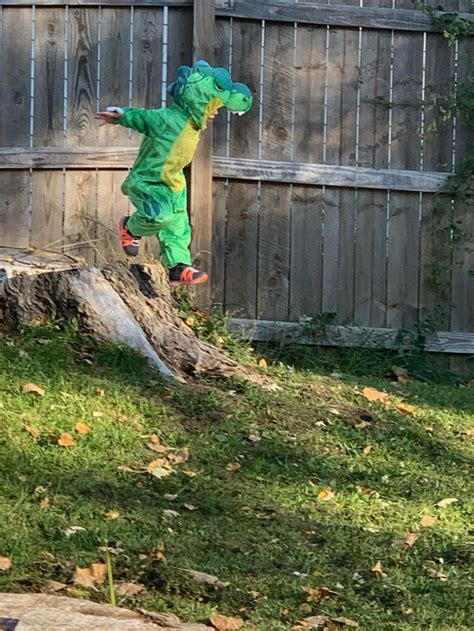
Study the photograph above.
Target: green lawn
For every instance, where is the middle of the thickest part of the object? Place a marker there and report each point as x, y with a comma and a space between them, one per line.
328, 485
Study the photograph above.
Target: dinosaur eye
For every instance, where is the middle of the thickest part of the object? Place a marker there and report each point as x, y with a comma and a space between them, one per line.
218, 87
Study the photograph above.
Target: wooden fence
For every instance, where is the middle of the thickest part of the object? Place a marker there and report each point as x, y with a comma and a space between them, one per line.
322, 194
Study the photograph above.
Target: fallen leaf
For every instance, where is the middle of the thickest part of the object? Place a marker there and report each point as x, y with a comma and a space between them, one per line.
470, 383
5, 563
100, 392
160, 556
428, 520
263, 364
207, 579
446, 502
377, 569
404, 408
180, 456
31, 429
32, 388
312, 622
161, 449
346, 621
190, 507
317, 594
55, 586
371, 394
88, 576
112, 514
158, 462
71, 530
233, 466
170, 496
170, 513
411, 538
254, 438
128, 589
224, 623
23, 354
362, 425
371, 530
82, 428
326, 494
97, 414
367, 449
305, 608
155, 438
398, 371
436, 574
44, 504
65, 440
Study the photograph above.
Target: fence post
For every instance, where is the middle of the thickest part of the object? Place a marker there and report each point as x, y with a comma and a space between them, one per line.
201, 167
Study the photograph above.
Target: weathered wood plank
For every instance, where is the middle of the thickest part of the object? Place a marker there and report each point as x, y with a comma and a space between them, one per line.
306, 252
353, 336
95, 3
47, 212
462, 297
273, 252
246, 51
147, 57
15, 123
403, 261
114, 70
180, 37
49, 77
80, 216
241, 249
111, 206
234, 168
82, 129
201, 166
219, 215
332, 15
221, 58
310, 77
370, 292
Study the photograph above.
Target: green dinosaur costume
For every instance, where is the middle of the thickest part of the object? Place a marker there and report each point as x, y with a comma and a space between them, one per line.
156, 184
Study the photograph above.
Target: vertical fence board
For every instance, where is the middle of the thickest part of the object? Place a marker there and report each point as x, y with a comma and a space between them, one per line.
15, 123
114, 65
111, 205
180, 38
219, 242
221, 58
47, 212
310, 76
306, 251
147, 57
80, 217
49, 78
246, 50
241, 249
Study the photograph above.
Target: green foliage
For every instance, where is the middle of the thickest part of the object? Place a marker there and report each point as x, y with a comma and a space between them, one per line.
452, 25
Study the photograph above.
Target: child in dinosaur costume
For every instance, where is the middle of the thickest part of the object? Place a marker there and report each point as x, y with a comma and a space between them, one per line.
156, 184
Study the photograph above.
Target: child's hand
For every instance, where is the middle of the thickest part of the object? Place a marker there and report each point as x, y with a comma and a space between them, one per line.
108, 117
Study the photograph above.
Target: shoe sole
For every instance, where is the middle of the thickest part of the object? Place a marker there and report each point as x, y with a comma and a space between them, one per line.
178, 283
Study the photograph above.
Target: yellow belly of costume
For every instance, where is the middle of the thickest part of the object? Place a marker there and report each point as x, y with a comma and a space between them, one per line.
180, 155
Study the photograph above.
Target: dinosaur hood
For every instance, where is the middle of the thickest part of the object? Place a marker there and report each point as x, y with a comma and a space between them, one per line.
202, 90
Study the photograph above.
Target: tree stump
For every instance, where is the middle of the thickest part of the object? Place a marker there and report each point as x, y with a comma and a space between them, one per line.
126, 304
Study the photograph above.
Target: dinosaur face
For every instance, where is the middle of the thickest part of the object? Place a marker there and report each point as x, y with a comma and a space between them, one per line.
202, 90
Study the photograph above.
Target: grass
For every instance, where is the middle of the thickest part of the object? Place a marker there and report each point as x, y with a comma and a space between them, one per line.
264, 527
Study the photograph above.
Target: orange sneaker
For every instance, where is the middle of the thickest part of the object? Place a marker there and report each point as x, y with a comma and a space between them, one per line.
128, 242
186, 275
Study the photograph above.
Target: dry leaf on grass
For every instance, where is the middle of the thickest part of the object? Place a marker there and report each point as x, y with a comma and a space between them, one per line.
362, 425
5, 563
97, 414
411, 538
428, 520
317, 594
72, 530
233, 466
378, 571
326, 494
65, 440
404, 408
128, 589
263, 364
170, 496
180, 456
89, 576
170, 513
82, 428
371, 394
31, 429
367, 449
321, 621
398, 371
224, 623
33, 389
346, 621
441, 576
112, 514
160, 449
44, 504
160, 468
190, 507
446, 502
154, 438
207, 579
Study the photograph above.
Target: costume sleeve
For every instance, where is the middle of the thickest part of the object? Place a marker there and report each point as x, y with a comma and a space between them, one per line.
148, 122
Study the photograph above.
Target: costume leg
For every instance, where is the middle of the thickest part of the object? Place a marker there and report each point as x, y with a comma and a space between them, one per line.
175, 234
152, 212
